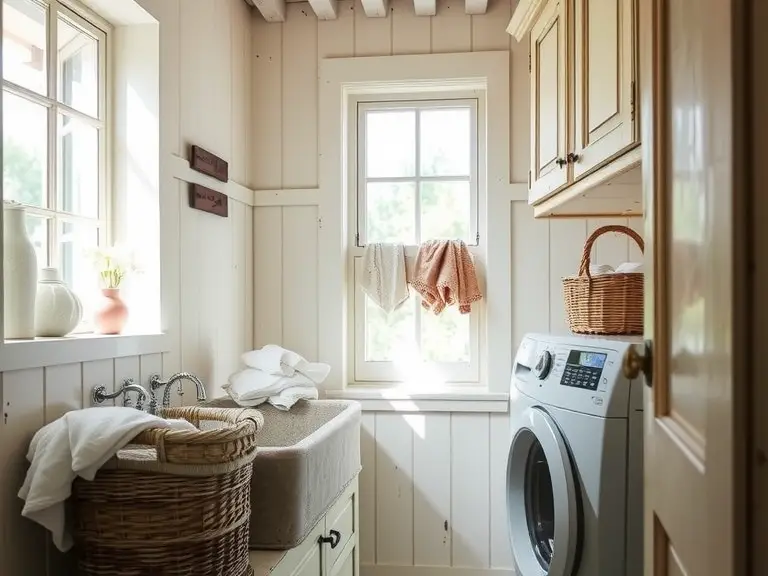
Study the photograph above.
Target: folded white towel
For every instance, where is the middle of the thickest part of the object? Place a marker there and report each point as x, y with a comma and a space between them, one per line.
629, 267
250, 384
597, 269
277, 361
77, 444
288, 397
384, 277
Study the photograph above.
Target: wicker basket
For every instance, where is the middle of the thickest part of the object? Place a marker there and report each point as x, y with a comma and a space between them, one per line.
608, 303
174, 502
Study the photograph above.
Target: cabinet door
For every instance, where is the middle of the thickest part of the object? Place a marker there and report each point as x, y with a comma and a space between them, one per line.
311, 564
548, 101
604, 81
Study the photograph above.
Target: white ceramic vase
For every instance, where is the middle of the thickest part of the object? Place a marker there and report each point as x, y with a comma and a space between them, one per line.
58, 310
19, 274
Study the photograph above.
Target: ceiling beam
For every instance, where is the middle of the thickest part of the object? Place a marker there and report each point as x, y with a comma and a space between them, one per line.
475, 6
425, 7
272, 10
375, 8
325, 9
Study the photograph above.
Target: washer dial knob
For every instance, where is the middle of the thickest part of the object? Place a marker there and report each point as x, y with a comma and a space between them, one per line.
543, 365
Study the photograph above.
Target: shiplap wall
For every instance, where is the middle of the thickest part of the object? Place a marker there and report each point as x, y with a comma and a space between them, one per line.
207, 261
433, 485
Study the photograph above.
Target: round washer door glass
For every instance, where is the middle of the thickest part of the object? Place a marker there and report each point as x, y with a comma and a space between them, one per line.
542, 505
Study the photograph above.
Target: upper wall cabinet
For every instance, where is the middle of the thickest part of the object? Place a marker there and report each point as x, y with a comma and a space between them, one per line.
584, 121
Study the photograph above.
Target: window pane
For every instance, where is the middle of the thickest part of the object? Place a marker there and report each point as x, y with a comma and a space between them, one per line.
74, 264
445, 142
445, 210
388, 338
390, 144
24, 150
391, 212
445, 336
37, 228
24, 35
78, 167
78, 68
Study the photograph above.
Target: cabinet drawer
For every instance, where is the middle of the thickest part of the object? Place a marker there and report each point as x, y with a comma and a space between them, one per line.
341, 519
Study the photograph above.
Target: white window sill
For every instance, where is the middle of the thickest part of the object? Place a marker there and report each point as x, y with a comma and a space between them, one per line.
23, 354
402, 399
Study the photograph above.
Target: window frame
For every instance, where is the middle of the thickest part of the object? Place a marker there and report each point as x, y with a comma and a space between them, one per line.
362, 371
85, 20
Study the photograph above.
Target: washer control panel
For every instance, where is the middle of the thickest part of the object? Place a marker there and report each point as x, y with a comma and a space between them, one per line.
583, 369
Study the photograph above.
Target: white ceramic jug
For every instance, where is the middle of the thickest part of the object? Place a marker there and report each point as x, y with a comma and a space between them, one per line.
19, 274
58, 310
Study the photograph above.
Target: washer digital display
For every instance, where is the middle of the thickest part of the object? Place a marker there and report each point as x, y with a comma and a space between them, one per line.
583, 369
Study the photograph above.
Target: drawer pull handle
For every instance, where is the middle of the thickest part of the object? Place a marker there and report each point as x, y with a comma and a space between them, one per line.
333, 539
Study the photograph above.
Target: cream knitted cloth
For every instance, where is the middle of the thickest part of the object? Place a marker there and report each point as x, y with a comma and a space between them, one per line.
384, 278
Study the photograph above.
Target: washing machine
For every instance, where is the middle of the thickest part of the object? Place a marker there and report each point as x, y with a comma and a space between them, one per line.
575, 463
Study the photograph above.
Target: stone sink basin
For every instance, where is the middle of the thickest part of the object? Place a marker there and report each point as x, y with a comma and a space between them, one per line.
306, 457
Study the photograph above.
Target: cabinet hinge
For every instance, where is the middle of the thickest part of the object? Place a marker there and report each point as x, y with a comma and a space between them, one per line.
357, 239
632, 101
477, 239
529, 61
529, 179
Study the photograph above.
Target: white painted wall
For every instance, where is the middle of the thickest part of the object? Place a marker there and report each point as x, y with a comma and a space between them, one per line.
424, 471
205, 261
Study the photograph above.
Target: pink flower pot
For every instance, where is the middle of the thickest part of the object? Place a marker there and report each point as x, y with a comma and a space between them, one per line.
111, 313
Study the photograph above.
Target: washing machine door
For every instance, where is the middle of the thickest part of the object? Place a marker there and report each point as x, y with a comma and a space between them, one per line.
542, 498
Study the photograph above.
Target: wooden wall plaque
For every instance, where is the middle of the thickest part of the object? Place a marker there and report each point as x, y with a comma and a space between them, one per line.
208, 200
208, 163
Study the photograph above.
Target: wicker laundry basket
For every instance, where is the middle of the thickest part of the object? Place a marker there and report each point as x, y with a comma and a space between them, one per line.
609, 304
173, 502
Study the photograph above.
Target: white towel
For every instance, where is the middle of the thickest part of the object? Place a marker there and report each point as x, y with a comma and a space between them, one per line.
630, 267
277, 361
77, 444
384, 277
249, 385
597, 269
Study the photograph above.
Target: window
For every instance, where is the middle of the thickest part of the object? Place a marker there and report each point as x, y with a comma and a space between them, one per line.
54, 133
416, 164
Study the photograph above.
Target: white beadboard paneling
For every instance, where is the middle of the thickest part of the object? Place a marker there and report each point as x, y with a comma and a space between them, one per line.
638, 225
394, 490
470, 465
486, 32
240, 104
247, 316
451, 28
150, 365
98, 373
299, 242
368, 489
520, 112
410, 33
566, 243
432, 525
268, 276
336, 38
23, 414
63, 390
501, 552
125, 368
373, 36
299, 96
530, 273
267, 107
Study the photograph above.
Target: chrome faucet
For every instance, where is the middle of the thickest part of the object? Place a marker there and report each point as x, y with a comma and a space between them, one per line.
99, 394
155, 382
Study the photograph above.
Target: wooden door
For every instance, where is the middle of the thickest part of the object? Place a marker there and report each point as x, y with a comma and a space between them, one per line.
548, 101
605, 50
691, 434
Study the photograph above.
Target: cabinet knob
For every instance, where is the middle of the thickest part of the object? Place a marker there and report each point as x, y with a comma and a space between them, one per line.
573, 158
561, 162
333, 539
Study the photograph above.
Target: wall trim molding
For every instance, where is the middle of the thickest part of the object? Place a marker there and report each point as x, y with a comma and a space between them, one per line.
384, 570
287, 197
181, 170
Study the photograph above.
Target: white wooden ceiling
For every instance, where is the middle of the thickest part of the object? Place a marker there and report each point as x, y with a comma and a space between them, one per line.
274, 10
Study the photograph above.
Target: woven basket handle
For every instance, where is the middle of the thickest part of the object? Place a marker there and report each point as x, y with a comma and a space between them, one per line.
586, 255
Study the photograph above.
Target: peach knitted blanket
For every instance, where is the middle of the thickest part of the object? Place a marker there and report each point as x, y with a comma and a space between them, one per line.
444, 274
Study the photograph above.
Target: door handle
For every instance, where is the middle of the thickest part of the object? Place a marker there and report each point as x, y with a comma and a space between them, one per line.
634, 363
333, 539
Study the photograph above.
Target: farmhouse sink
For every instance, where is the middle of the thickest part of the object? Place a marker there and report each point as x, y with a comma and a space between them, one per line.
306, 457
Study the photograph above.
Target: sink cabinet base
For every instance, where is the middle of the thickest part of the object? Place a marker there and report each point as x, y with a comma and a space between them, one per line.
330, 548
